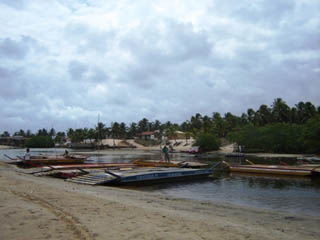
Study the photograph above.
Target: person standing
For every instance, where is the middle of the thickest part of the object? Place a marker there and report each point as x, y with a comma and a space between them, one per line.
165, 151
27, 155
66, 153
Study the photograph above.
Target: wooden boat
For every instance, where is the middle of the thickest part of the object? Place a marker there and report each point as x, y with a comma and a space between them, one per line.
91, 165
52, 160
275, 169
143, 163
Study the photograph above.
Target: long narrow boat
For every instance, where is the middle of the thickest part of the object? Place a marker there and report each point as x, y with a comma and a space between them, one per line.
275, 169
144, 163
53, 160
91, 165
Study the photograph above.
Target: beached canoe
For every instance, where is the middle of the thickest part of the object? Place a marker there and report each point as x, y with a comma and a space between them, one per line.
275, 169
53, 160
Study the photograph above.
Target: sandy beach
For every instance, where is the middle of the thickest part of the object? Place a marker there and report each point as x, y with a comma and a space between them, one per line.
48, 208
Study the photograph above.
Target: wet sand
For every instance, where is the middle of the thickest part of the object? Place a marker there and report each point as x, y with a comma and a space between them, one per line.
47, 208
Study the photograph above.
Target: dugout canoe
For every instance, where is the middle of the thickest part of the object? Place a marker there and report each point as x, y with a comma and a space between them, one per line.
275, 169
52, 160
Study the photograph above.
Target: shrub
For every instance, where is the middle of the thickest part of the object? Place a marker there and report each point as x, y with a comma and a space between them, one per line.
40, 142
207, 142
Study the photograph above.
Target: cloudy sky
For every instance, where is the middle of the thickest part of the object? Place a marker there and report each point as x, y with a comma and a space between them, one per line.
65, 62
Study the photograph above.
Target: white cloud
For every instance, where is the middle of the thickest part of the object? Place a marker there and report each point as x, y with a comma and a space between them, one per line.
68, 60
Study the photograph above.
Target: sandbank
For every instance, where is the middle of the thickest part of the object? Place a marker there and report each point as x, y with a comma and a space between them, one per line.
5, 147
47, 208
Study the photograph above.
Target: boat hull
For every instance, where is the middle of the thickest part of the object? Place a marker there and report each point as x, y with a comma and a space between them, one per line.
53, 160
273, 169
162, 176
155, 164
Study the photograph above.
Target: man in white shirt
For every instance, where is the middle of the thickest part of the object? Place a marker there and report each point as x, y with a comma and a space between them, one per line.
27, 155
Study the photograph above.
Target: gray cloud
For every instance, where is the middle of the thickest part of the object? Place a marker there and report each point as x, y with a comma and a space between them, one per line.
129, 61
88, 39
13, 86
77, 70
12, 49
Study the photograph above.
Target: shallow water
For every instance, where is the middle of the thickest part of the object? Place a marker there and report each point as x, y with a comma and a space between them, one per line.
295, 195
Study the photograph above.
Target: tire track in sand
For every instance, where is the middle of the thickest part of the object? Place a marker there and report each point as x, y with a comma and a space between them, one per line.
72, 223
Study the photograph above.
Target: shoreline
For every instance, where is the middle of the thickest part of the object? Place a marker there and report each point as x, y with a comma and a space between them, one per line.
224, 150
6, 147
56, 209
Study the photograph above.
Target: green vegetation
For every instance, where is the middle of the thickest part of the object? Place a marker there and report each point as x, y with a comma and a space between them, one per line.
207, 142
278, 128
39, 142
281, 129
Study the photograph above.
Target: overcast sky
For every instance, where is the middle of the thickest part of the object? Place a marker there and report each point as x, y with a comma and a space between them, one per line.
64, 62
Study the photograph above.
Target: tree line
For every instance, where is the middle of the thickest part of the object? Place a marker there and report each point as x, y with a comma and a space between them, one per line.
278, 128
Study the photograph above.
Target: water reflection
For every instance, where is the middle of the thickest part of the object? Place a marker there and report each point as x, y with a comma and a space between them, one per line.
300, 195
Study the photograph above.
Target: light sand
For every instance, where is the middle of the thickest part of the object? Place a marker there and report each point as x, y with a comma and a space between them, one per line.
46, 208
178, 145
5, 147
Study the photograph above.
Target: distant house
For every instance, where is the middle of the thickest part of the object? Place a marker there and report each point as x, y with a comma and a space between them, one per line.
148, 135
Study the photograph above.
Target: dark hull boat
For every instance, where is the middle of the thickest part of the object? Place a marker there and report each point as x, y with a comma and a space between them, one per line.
164, 175
142, 176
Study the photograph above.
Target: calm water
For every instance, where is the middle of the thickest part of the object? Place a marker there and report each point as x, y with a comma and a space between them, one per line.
295, 195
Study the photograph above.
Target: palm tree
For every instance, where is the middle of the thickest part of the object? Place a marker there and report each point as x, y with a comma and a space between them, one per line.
5, 134
100, 132
132, 132
263, 116
123, 130
305, 111
115, 130
52, 132
143, 125
280, 111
